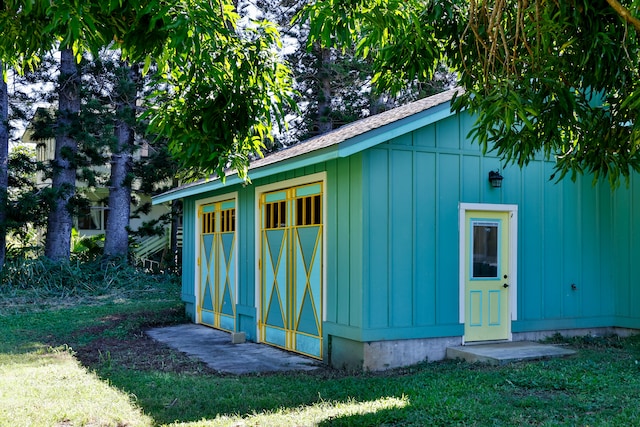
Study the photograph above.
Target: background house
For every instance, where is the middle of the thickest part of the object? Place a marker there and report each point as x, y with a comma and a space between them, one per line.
383, 242
92, 220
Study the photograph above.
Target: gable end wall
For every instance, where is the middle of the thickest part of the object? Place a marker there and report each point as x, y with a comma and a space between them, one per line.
570, 233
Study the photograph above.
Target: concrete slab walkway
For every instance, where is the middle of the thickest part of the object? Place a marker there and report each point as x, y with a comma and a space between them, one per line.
214, 347
507, 352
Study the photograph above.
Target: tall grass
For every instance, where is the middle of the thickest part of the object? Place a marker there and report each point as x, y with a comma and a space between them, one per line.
26, 284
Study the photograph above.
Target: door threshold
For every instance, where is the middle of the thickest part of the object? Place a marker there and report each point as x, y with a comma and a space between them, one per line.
471, 343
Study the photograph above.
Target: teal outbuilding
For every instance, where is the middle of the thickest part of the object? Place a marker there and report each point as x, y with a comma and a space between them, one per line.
384, 242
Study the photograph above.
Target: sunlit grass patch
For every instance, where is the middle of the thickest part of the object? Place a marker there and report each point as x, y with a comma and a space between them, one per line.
329, 412
49, 388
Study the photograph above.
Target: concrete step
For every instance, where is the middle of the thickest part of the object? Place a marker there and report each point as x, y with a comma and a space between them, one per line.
506, 352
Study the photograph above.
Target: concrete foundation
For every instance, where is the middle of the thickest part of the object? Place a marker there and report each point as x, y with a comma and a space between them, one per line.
381, 355
238, 337
569, 333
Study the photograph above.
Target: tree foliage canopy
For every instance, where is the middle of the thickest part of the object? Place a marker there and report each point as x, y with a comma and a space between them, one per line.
551, 77
223, 84
226, 86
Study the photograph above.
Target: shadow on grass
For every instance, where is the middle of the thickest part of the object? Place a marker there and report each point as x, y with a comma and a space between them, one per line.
192, 396
276, 406
387, 417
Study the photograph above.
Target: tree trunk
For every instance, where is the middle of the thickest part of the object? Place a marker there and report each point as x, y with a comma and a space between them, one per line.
4, 166
175, 224
116, 244
60, 221
323, 122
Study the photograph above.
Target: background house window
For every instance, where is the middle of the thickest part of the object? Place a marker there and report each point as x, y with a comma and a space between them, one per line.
144, 149
93, 218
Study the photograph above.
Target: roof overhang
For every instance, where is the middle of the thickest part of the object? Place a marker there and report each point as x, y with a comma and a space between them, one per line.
342, 148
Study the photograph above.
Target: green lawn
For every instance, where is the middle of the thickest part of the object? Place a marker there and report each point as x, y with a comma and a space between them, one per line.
84, 360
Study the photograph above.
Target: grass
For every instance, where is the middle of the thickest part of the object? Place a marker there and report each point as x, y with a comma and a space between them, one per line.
83, 360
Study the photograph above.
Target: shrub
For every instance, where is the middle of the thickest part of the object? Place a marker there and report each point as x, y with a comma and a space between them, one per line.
71, 278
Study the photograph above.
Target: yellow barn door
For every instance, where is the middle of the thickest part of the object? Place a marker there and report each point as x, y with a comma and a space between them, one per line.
216, 264
486, 276
291, 288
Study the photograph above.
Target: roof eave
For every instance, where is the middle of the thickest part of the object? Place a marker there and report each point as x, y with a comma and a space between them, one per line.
344, 148
393, 130
308, 159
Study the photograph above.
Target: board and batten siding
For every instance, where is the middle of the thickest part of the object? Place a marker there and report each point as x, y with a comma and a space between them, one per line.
569, 233
392, 256
626, 230
344, 257
189, 256
343, 281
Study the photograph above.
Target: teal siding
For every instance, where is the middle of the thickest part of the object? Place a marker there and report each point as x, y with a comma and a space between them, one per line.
622, 247
344, 282
591, 244
402, 231
334, 294
634, 249
569, 233
446, 249
188, 256
606, 258
245, 233
626, 233
531, 212
392, 255
425, 233
448, 133
376, 242
550, 299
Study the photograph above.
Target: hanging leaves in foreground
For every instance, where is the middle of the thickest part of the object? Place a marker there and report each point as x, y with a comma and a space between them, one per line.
558, 79
227, 87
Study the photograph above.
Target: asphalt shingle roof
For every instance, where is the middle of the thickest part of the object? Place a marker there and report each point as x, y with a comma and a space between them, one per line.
356, 128
340, 135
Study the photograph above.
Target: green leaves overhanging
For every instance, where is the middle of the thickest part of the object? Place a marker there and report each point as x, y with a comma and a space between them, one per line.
550, 78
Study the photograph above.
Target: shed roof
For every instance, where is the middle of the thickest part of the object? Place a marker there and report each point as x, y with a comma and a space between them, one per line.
342, 142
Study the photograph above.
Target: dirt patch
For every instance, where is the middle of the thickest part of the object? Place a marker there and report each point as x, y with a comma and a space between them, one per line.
121, 340
141, 353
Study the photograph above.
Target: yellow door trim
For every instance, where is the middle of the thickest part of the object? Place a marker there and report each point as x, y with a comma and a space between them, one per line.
285, 213
216, 218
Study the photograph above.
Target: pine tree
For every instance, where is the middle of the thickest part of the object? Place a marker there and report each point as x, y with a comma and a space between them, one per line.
116, 234
335, 86
4, 164
60, 220
26, 211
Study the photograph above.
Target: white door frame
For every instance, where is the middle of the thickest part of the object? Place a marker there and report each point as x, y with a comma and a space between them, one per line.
513, 255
